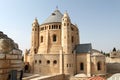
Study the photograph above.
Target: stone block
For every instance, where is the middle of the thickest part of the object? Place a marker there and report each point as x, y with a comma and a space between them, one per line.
16, 51
15, 65
3, 76
3, 71
9, 56
2, 56
19, 56
16, 61
4, 64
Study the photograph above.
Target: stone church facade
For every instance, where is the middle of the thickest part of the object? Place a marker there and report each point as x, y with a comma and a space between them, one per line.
56, 49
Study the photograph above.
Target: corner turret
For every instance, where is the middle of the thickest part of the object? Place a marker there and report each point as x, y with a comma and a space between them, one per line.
35, 36
66, 33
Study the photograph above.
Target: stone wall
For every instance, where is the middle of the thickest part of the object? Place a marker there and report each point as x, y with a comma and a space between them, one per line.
113, 68
9, 62
113, 65
46, 64
10, 57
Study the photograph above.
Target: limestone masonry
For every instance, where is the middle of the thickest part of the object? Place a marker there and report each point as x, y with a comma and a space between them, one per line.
10, 57
56, 49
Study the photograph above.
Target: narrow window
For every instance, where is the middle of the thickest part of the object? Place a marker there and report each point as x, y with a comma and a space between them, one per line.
81, 66
49, 27
35, 51
72, 38
54, 38
52, 26
32, 29
41, 39
40, 61
98, 66
72, 29
59, 26
67, 24
64, 24
67, 65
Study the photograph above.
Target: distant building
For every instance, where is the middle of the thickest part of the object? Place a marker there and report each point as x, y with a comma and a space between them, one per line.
56, 49
113, 62
115, 53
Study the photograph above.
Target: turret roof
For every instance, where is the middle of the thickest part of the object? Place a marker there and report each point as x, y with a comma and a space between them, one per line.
56, 16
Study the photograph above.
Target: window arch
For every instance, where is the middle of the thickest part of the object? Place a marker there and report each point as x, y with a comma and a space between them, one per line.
99, 66
81, 66
41, 39
54, 38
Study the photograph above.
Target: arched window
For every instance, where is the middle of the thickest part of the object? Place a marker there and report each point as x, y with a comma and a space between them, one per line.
98, 66
54, 38
59, 26
67, 65
40, 61
41, 39
35, 50
81, 66
72, 39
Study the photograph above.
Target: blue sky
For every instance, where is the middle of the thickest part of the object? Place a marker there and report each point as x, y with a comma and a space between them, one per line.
98, 20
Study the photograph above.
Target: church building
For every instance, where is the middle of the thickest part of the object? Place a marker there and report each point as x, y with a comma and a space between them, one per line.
56, 49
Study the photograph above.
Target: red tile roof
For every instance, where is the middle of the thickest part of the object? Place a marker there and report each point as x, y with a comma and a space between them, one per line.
96, 78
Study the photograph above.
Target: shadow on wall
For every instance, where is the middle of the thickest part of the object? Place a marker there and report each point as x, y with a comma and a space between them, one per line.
113, 68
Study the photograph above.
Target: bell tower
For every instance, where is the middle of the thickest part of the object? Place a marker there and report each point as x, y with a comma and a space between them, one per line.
66, 34
35, 36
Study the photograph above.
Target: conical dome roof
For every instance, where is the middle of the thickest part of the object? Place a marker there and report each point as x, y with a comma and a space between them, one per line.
56, 16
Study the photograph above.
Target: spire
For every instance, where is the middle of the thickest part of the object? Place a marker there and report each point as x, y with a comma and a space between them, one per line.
66, 14
35, 21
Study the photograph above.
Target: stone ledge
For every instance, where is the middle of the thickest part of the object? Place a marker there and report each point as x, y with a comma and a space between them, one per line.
16, 61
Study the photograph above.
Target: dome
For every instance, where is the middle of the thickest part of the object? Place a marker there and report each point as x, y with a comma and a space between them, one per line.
56, 16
